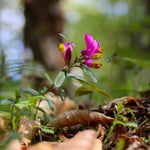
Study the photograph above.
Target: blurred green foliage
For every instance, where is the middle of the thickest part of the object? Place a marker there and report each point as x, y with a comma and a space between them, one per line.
125, 35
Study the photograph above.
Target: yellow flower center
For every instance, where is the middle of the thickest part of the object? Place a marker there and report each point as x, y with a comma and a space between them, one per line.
61, 47
97, 56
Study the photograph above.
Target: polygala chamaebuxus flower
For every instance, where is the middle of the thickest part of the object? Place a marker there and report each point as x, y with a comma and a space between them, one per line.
66, 50
92, 52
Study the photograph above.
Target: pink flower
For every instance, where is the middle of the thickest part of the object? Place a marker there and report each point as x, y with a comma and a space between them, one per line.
92, 52
93, 47
66, 50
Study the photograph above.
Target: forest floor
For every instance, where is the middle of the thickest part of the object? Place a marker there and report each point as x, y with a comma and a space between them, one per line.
122, 124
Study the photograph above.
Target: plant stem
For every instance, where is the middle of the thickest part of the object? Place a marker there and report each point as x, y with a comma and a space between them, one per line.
110, 131
12, 110
89, 109
37, 109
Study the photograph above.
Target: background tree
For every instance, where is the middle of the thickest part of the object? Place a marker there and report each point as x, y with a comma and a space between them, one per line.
43, 21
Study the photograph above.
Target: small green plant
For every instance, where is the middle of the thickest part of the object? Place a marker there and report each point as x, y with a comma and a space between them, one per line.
24, 105
118, 120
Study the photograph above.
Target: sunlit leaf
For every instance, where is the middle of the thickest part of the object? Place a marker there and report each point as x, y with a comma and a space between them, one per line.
102, 92
29, 91
60, 78
131, 124
119, 122
46, 129
62, 93
82, 91
80, 79
23, 104
120, 108
86, 69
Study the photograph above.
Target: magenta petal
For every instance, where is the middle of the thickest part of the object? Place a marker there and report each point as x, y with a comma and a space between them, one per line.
83, 52
68, 46
94, 46
88, 62
88, 40
68, 56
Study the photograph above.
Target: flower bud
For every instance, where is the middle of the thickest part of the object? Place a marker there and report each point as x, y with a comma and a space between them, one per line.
97, 56
96, 65
100, 50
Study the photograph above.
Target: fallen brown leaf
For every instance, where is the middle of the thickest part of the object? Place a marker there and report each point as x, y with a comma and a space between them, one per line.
41, 146
75, 117
26, 129
138, 146
97, 145
59, 105
84, 140
14, 145
126, 100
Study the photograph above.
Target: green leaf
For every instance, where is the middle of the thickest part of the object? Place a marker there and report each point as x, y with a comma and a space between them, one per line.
29, 91
120, 108
101, 92
47, 129
62, 93
34, 99
23, 104
131, 124
86, 69
50, 103
81, 80
82, 91
45, 89
75, 51
119, 122
7, 101
48, 78
52, 94
60, 78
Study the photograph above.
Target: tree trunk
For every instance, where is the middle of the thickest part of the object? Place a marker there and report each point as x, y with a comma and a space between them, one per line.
44, 20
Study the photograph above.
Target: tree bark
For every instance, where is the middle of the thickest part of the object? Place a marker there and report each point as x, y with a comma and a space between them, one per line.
44, 20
